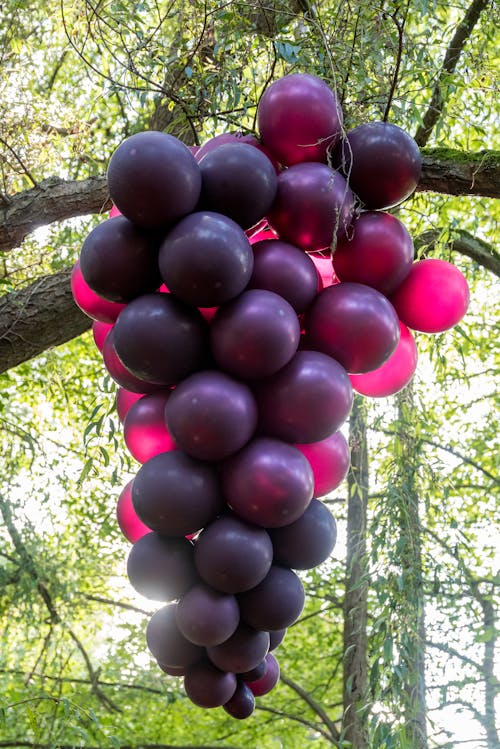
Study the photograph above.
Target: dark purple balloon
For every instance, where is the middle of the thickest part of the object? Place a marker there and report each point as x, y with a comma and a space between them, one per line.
120, 373
174, 494
314, 206
160, 339
274, 603
119, 261
90, 303
207, 686
206, 259
242, 703
210, 415
242, 651
172, 670
239, 181
233, 556
254, 335
268, 483
378, 252
206, 616
161, 568
307, 400
382, 163
255, 673
308, 541
276, 637
153, 179
213, 143
354, 324
285, 269
268, 681
167, 644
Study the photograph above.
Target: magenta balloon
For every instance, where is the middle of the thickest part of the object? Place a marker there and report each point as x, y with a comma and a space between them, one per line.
175, 494
285, 269
308, 541
166, 642
274, 603
354, 324
114, 212
324, 268
254, 335
242, 703
329, 459
382, 163
395, 374
161, 568
259, 235
160, 339
132, 528
207, 686
433, 298
206, 259
242, 651
267, 682
99, 332
91, 303
314, 206
233, 556
211, 416
378, 252
144, 429
268, 483
153, 179
306, 400
206, 616
124, 401
299, 119
120, 373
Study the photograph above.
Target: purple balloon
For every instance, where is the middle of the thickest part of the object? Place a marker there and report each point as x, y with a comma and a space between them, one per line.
314, 206
174, 494
207, 686
307, 400
268, 681
274, 603
285, 269
206, 616
166, 642
172, 670
354, 324
268, 483
308, 541
160, 339
254, 335
233, 556
206, 259
242, 651
153, 179
276, 637
213, 143
210, 415
161, 568
120, 373
255, 673
242, 703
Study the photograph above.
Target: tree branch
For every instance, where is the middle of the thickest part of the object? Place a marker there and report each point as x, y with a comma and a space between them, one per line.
315, 707
454, 172
466, 244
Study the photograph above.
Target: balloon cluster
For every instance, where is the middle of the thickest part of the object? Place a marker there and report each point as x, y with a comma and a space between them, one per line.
236, 345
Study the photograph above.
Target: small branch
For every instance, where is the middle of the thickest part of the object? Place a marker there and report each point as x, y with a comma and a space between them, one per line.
311, 702
466, 244
400, 25
281, 714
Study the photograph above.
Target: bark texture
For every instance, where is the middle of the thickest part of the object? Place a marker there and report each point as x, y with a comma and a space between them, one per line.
457, 173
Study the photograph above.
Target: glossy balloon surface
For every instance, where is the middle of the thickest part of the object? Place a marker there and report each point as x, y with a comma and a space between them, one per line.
268, 681
99, 332
124, 401
308, 541
206, 616
329, 459
91, 303
274, 603
242, 651
130, 525
144, 430
119, 372
161, 568
276, 637
395, 374
166, 642
324, 268
285, 269
207, 686
242, 703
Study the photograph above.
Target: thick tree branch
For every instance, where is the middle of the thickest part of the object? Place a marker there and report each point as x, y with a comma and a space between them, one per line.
453, 172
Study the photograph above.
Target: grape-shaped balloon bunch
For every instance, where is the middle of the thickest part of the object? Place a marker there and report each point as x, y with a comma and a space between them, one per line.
236, 345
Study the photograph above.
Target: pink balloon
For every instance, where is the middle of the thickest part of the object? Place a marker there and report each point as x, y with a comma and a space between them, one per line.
325, 269
329, 459
392, 376
144, 429
130, 525
433, 297
99, 331
264, 233
114, 212
120, 374
124, 401
91, 303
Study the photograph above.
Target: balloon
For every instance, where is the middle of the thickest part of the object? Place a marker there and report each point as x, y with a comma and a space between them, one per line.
210, 415
90, 303
306, 400
132, 528
206, 259
160, 339
255, 334
124, 400
329, 459
286, 270
378, 252
173, 670
274, 603
114, 212
120, 373
314, 206
167, 644
268, 681
354, 324
276, 637
299, 118
259, 235
175, 494
153, 179
206, 616
324, 269
242, 703
433, 298
144, 430
268, 483
382, 163
212, 144
161, 568
239, 181
119, 261
395, 374
255, 673
242, 651
207, 686
308, 541
99, 332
